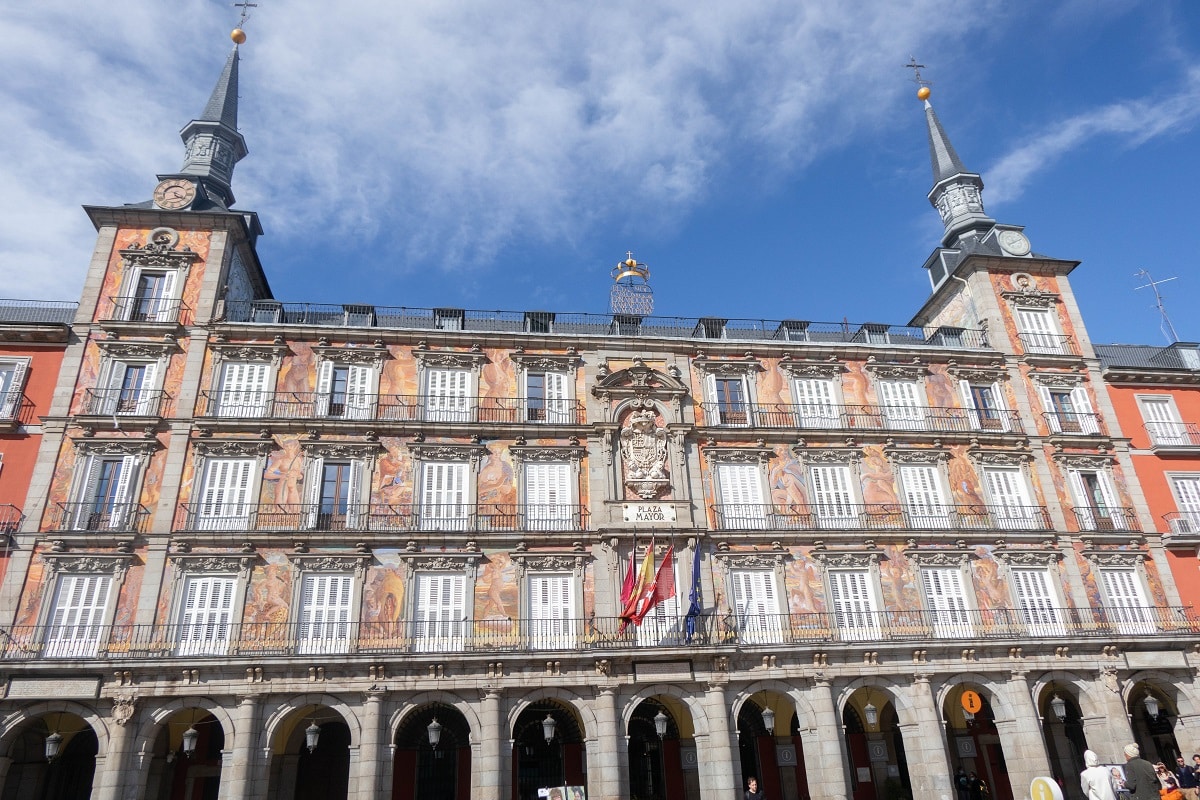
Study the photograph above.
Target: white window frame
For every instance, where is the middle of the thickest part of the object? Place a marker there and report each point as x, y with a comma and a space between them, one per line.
1088, 514
813, 412
361, 396
251, 399
210, 630
1126, 606
977, 416
454, 406
127, 491
728, 415
166, 304
858, 618
357, 491
1043, 614
1166, 428
550, 507
903, 403
1039, 339
212, 514
932, 511
950, 615
1087, 423
112, 380
77, 630
1186, 501
449, 629
13, 372
1004, 513
759, 619
335, 629
557, 401
436, 513
836, 512
553, 626
749, 499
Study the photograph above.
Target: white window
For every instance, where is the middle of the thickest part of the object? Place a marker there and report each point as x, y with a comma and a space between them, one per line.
444, 505
1035, 598
553, 625
325, 613
1126, 607
985, 404
903, 404
832, 496
1162, 421
1008, 500
105, 499
129, 389
728, 400
1069, 410
206, 615
152, 298
946, 600
816, 403
12, 385
440, 616
548, 398
244, 389
1096, 508
1038, 331
345, 391
225, 503
855, 611
924, 502
447, 395
756, 605
742, 503
549, 501
78, 616
1187, 500
334, 499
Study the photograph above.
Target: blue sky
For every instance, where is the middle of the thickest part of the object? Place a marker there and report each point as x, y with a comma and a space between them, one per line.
766, 159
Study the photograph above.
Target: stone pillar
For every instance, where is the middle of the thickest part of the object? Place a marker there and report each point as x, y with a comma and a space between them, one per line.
109, 782
608, 772
720, 769
365, 785
237, 768
1107, 728
825, 757
1021, 735
925, 745
487, 774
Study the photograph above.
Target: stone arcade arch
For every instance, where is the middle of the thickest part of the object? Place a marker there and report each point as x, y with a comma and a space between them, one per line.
423, 770
774, 756
295, 773
1066, 736
163, 727
688, 731
974, 743
871, 719
1161, 736
546, 754
72, 774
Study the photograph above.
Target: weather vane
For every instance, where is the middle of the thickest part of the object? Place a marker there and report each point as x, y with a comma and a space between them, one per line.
245, 7
1165, 326
923, 92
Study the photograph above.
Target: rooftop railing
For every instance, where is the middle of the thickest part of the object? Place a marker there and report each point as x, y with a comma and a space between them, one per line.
217, 638
272, 312
879, 517
389, 407
483, 517
45, 312
858, 417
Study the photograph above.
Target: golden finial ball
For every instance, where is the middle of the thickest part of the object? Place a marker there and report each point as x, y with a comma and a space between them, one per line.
631, 263
238, 35
923, 93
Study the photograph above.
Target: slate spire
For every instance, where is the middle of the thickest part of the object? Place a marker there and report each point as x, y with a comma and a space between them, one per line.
213, 142
957, 193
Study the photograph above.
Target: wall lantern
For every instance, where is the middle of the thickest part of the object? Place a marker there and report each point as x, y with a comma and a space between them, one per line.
312, 735
769, 720
548, 726
189, 740
53, 745
434, 731
872, 714
1151, 703
660, 724
1059, 707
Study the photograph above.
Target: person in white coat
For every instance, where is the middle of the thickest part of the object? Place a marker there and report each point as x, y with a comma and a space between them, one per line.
1094, 780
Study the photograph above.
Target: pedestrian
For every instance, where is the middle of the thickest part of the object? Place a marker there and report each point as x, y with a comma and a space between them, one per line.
1140, 778
1095, 780
961, 786
1185, 776
1170, 790
978, 789
752, 790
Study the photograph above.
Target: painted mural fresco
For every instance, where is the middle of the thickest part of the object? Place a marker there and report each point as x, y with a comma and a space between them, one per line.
197, 240
269, 595
383, 594
496, 589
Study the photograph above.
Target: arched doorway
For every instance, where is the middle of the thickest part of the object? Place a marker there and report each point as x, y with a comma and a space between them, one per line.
311, 760
875, 746
66, 776
547, 749
433, 755
770, 747
1062, 730
973, 739
1153, 715
187, 764
656, 734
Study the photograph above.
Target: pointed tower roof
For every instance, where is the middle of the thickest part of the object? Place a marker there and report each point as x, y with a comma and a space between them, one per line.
223, 103
946, 162
957, 193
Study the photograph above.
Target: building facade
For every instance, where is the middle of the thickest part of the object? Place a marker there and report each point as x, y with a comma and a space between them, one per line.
348, 550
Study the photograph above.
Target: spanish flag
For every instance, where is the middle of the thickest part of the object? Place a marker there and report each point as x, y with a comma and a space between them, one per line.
643, 588
663, 588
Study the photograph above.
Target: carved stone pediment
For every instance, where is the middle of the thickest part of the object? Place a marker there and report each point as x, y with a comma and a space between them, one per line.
978, 374
548, 562
811, 369
736, 560
447, 452
1016, 557
120, 348
233, 447
355, 450
639, 381
370, 356
316, 562
726, 367
855, 559
1084, 460
192, 563
115, 564
1065, 380
998, 458
911, 455
939, 557
533, 453
452, 359
899, 372
827, 455
441, 562
160, 252
251, 351
546, 362
114, 446
1032, 298
1115, 558
738, 455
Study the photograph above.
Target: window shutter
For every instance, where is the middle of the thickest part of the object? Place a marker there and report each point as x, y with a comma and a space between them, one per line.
312, 494
225, 499
85, 497
551, 606
902, 404
742, 503
558, 407
440, 612
756, 605
1009, 502
832, 499
165, 301
358, 391
714, 407
853, 604
123, 505
324, 388
814, 398
1001, 406
1162, 421
1127, 606
548, 496
243, 390
1035, 598
1187, 499
1037, 331
146, 393
356, 509
207, 615
947, 602
447, 395
1052, 419
968, 401
923, 501
325, 606
1083, 409
444, 495
12, 387
77, 616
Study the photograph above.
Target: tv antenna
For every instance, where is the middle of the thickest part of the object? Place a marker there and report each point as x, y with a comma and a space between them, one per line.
1165, 326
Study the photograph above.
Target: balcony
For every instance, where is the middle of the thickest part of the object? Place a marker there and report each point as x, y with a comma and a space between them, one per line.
10, 519
1183, 523
1047, 344
123, 403
879, 517
99, 515
1101, 518
482, 517
15, 409
144, 309
579, 636
1173, 435
1074, 423
390, 408
859, 417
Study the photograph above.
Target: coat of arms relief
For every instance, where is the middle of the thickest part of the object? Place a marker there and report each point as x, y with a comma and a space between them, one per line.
644, 454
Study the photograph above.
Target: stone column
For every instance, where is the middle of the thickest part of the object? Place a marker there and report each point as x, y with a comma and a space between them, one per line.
1021, 735
366, 784
925, 745
109, 783
1107, 728
720, 769
608, 772
487, 774
825, 757
237, 767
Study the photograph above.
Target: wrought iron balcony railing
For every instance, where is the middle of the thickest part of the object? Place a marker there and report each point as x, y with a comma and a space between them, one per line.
144, 309
99, 515
12, 404
858, 417
227, 639
1078, 423
1183, 523
874, 517
389, 407
484, 517
10, 518
124, 403
1047, 344
1101, 518
1173, 434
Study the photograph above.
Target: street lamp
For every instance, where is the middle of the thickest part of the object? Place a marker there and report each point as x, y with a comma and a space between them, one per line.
312, 734
548, 726
53, 744
872, 713
189, 740
1151, 703
1059, 707
660, 724
769, 720
434, 731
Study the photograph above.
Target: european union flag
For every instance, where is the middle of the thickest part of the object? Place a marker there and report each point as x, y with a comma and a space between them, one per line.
694, 609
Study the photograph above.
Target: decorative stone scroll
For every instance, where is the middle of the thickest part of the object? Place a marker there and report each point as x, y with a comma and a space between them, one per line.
548, 562
1032, 298
120, 348
328, 562
455, 359
370, 356
736, 560
448, 452
851, 559
1064, 380
910, 455
1028, 558
723, 367
827, 455
217, 448
90, 563
124, 446
979, 374
213, 563
546, 362
644, 454
739, 455
249, 351
998, 458
363, 451
160, 253
939, 556
812, 369
1115, 558
415, 561
532, 453
904, 372
639, 381
1084, 461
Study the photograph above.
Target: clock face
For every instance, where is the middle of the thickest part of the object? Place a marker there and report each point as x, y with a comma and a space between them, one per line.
1014, 243
174, 193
